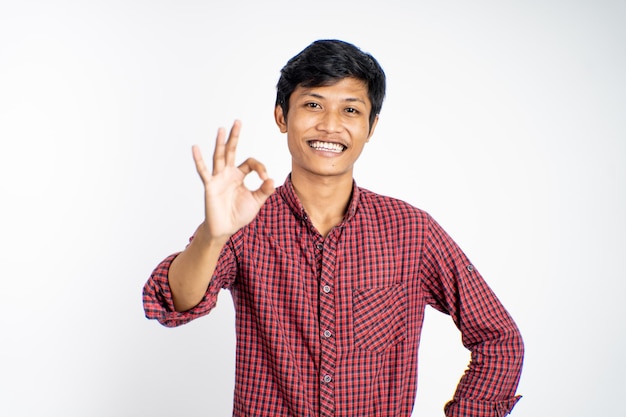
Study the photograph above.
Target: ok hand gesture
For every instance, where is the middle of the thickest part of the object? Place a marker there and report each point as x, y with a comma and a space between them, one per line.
229, 204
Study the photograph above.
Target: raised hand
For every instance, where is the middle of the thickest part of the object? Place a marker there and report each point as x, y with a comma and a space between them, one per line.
229, 204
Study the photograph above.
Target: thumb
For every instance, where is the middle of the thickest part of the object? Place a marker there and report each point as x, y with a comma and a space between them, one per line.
264, 191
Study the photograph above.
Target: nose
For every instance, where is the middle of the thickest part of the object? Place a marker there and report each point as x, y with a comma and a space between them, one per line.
330, 121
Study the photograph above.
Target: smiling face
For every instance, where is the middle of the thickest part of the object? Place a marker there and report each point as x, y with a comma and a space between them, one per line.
327, 127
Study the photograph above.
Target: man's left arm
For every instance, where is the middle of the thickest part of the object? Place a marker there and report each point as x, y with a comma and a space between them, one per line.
454, 286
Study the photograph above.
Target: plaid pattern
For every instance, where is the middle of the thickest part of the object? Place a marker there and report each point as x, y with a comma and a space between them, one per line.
331, 327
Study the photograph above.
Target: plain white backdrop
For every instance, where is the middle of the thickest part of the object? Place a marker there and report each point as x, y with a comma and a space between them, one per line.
504, 120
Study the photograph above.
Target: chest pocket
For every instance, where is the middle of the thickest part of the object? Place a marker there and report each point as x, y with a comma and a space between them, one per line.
379, 317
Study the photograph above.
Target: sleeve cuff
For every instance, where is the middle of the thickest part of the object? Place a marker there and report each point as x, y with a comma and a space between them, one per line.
158, 303
463, 407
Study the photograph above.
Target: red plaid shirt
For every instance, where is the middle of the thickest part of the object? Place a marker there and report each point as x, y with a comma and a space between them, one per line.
331, 327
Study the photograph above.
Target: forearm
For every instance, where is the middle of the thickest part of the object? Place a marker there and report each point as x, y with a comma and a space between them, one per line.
492, 376
191, 271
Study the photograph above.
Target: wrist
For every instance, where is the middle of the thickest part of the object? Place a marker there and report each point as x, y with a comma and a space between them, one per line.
206, 239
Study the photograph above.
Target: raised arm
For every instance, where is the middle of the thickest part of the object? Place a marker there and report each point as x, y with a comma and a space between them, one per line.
229, 205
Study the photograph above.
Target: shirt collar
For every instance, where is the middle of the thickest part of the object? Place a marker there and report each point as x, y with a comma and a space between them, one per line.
288, 194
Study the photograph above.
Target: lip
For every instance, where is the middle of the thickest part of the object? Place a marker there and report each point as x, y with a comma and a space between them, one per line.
334, 142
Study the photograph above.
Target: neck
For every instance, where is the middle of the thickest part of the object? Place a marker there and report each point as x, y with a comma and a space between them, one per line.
325, 199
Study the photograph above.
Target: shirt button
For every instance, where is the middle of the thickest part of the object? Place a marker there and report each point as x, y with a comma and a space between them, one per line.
470, 267
319, 246
326, 289
327, 333
327, 378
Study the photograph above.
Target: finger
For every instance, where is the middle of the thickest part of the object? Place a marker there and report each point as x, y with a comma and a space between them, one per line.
264, 191
200, 165
231, 145
267, 186
252, 164
219, 152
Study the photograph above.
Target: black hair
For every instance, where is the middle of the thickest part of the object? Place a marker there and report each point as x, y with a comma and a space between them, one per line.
325, 62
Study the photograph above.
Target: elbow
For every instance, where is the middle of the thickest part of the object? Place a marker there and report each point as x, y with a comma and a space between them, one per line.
518, 347
511, 349
508, 345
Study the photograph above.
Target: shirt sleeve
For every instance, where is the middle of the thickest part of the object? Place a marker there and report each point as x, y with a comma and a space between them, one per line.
157, 295
454, 286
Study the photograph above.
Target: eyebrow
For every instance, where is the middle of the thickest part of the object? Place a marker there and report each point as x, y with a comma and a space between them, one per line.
348, 99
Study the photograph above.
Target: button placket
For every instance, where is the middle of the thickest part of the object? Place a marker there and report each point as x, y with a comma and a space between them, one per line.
327, 326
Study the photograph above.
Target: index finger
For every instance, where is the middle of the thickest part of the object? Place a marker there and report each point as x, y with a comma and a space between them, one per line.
252, 164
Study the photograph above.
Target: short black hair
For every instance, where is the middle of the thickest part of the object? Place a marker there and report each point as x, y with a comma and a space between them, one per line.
327, 61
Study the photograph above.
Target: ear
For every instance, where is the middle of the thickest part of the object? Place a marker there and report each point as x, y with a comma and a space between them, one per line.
371, 133
281, 121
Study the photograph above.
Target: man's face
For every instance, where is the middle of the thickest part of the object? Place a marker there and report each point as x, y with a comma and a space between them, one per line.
327, 127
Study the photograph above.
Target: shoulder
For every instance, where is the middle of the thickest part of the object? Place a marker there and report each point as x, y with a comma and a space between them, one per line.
386, 207
392, 220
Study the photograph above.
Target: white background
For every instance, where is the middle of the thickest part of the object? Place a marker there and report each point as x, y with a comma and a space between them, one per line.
504, 120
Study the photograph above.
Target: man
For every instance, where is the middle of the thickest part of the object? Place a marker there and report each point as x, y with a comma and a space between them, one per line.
329, 280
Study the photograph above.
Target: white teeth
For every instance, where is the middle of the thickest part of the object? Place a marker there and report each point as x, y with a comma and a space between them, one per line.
326, 146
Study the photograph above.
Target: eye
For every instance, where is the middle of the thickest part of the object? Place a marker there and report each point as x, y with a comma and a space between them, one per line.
312, 105
352, 110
